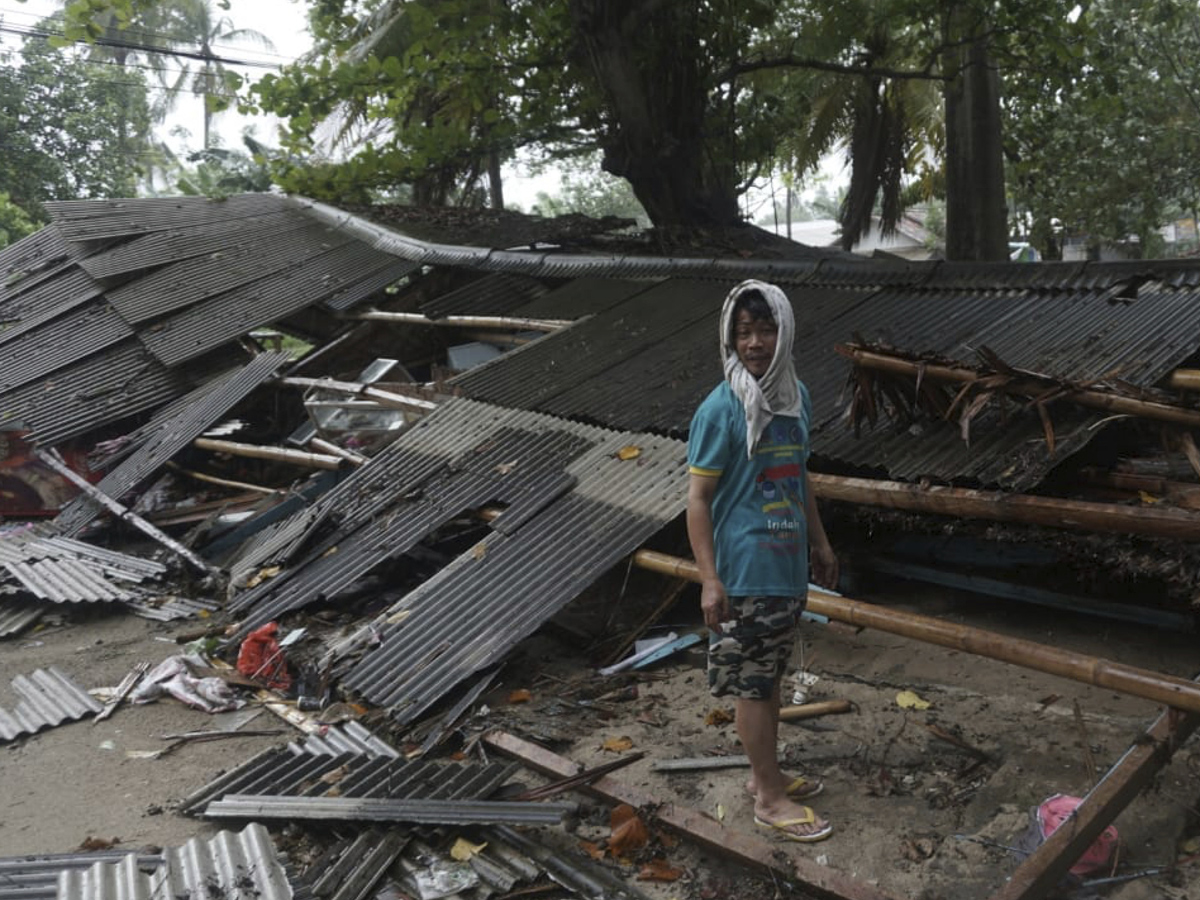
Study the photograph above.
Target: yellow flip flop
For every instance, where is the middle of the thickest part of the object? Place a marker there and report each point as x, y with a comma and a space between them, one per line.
783, 827
801, 788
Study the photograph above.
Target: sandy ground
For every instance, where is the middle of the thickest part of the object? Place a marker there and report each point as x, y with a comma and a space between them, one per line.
916, 815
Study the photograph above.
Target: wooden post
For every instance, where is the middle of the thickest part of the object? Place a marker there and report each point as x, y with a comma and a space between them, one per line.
812, 710
1153, 686
387, 398
513, 323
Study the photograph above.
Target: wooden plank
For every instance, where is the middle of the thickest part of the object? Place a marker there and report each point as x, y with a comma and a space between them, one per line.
750, 850
1041, 872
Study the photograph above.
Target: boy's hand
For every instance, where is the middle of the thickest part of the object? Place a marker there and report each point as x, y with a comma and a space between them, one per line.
714, 604
824, 566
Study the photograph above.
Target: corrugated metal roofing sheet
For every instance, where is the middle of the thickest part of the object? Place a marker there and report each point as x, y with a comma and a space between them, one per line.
580, 297
88, 220
26, 261
38, 352
418, 812
489, 295
351, 737
66, 581
36, 877
15, 617
250, 261
57, 294
189, 241
231, 864
92, 392
349, 272
174, 434
281, 773
47, 697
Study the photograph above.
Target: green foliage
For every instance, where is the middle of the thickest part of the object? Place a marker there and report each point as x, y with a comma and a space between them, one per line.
584, 189
71, 128
15, 223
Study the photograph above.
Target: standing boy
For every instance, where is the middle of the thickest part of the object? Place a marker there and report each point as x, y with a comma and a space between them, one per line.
752, 520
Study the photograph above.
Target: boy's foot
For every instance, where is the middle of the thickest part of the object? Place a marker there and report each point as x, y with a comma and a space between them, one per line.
800, 788
805, 828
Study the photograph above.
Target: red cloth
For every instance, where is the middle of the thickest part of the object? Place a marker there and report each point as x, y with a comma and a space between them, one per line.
261, 657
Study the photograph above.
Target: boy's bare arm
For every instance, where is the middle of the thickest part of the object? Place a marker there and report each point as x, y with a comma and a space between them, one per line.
713, 602
824, 560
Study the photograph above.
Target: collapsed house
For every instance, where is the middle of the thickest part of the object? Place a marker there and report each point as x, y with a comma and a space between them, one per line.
491, 431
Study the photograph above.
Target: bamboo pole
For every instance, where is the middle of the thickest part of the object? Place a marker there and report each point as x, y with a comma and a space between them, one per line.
333, 449
517, 323
54, 461
1185, 380
812, 710
275, 454
1027, 387
998, 506
360, 390
223, 482
1159, 688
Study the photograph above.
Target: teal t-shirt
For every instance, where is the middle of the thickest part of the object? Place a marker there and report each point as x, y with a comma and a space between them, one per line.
760, 534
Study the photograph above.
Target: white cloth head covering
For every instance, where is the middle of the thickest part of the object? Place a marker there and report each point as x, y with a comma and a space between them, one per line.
777, 393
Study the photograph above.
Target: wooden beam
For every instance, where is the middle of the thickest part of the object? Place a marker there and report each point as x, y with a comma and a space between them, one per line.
1093, 670
513, 323
1027, 387
274, 454
1041, 872
750, 850
998, 506
387, 398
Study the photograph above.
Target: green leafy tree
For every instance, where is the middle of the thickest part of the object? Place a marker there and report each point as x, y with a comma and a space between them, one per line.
583, 188
15, 223
70, 127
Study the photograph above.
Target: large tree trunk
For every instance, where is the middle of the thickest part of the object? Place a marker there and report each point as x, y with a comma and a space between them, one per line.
645, 59
976, 210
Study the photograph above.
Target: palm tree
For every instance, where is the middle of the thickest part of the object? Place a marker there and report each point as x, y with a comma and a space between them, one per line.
199, 24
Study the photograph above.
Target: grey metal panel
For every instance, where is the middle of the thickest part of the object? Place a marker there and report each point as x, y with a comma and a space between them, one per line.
57, 293
421, 812
174, 434
47, 697
281, 772
189, 241
80, 333
168, 609
346, 297
230, 864
27, 260
87, 220
255, 259
580, 297
65, 581
36, 877
350, 869
351, 737
114, 563
489, 295
15, 617
92, 392
194, 331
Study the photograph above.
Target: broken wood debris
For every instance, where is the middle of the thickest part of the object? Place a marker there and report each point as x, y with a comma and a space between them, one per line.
516, 323
55, 461
274, 454
387, 398
750, 850
813, 710
128, 683
994, 378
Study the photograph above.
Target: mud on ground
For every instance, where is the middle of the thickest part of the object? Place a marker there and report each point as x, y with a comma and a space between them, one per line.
924, 802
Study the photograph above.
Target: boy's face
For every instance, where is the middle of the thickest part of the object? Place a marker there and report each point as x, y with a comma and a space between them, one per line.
754, 341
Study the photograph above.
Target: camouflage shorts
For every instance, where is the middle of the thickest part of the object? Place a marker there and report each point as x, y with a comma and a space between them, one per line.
748, 659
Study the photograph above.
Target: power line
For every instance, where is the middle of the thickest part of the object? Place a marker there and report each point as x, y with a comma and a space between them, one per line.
28, 31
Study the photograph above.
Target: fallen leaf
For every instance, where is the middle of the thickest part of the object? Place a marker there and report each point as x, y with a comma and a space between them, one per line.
463, 849
263, 575
909, 700
628, 831
617, 744
592, 849
658, 870
718, 717
520, 695
720, 813
1149, 498
506, 468
479, 551
630, 451
334, 776
94, 843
